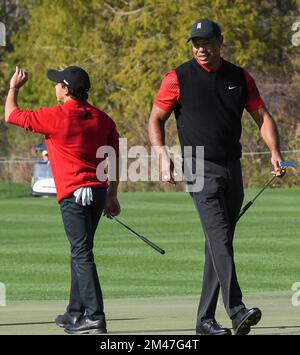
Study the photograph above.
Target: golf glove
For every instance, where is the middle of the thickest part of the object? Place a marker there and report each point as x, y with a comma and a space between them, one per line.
83, 196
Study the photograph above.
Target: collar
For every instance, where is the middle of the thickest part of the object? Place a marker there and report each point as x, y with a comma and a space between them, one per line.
77, 103
209, 70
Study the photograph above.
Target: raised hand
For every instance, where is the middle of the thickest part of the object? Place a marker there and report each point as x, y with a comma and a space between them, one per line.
19, 78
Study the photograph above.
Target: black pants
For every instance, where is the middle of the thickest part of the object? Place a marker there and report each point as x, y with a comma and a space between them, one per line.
80, 224
218, 205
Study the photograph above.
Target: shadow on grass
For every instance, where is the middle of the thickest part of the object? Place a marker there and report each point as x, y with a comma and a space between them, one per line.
41, 323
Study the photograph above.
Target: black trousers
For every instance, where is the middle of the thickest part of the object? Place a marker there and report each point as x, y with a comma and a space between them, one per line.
218, 205
80, 224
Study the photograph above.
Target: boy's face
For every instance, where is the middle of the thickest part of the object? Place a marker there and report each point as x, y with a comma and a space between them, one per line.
61, 92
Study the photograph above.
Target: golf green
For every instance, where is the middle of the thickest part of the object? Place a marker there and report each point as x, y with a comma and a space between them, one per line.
154, 316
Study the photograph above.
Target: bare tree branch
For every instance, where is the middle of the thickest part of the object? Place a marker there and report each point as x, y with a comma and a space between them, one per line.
122, 13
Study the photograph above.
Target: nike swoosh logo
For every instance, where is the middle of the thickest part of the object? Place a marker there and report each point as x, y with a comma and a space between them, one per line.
232, 87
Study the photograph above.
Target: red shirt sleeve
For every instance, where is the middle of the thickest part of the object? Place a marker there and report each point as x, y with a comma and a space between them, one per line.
41, 121
254, 101
169, 93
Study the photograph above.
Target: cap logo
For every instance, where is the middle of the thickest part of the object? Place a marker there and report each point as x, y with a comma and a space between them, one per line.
199, 25
65, 81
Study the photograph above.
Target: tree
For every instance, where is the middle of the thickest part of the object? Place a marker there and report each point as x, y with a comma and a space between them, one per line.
13, 15
127, 47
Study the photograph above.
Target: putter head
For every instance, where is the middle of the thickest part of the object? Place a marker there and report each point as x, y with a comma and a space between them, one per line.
287, 164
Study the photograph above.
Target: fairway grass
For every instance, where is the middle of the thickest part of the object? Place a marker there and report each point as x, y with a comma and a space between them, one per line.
34, 252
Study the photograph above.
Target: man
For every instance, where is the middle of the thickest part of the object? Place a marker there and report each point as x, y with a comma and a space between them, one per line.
73, 132
208, 96
45, 156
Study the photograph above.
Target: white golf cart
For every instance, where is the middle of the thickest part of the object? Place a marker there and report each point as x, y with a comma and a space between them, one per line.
42, 181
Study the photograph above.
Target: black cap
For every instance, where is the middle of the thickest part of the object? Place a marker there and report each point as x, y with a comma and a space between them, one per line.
75, 78
205, 28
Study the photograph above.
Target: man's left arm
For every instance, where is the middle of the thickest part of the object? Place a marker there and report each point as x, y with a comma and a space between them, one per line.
269, 133
266, 124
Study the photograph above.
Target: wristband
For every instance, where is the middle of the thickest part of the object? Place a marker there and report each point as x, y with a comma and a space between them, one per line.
13, 87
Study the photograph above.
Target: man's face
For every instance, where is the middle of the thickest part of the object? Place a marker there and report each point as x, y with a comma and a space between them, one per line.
207, 50
45, 157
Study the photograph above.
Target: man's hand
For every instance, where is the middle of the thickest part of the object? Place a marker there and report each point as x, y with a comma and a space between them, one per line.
19, 78
112, 206
276, 159
167, 170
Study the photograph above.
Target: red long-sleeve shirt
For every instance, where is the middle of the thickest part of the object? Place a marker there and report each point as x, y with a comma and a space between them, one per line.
169, 93
72, 141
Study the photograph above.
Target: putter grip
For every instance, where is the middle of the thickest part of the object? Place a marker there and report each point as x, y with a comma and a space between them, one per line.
244, 209
144, 239
152, 245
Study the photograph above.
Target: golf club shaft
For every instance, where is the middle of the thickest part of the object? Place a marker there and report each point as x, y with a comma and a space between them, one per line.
250, 203
244, 209
144, 239
264, 187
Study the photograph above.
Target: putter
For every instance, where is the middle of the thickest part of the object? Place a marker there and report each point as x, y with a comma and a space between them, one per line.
144, 239
284, 165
